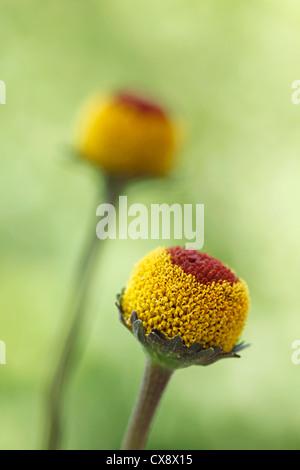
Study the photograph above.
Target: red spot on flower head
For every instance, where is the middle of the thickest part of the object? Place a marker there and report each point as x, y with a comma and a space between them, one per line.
140, 103
205, 268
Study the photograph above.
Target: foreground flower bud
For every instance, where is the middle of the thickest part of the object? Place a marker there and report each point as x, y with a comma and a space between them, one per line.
126, 135
186, 303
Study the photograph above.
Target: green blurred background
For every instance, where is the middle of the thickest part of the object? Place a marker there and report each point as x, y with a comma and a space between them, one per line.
226, 70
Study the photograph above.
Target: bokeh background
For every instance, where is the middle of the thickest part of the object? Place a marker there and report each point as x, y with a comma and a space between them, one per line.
226, 70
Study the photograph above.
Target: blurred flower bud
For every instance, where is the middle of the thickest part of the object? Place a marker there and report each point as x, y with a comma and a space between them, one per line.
126, 135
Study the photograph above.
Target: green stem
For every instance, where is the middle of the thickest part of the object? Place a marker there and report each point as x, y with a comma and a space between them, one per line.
154, 383
77, 309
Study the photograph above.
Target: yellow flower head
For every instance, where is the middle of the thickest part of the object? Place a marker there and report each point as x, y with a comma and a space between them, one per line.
126, 135
189, 294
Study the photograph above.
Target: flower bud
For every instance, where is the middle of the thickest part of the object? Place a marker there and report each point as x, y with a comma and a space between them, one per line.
186, 302
126, 135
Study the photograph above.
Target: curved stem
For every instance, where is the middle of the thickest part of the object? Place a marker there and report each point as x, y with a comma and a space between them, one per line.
77, 308
154, 383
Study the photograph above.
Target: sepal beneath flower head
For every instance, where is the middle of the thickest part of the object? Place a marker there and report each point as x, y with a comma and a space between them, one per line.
172, 353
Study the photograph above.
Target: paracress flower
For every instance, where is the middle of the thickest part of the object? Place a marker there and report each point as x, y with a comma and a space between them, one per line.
126, 135
189, 294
